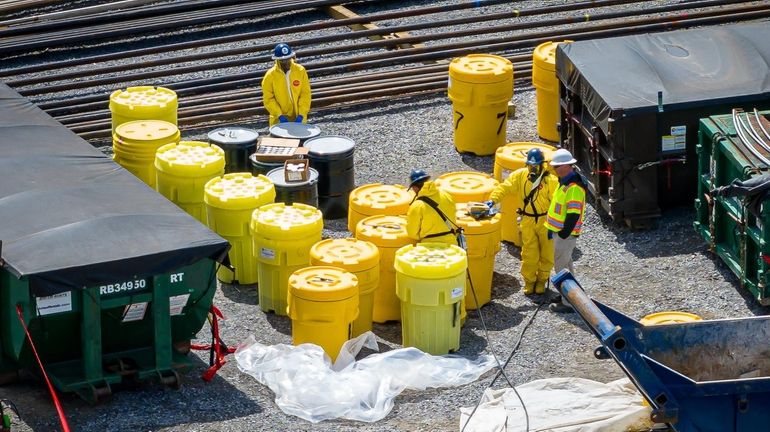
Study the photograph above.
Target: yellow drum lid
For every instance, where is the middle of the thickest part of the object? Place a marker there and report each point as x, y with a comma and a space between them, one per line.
431, 260
466, 182
383, 231
145, 131
472, 226
190, 158
481, 69
239, 191
323, 283
544, 56
378, 196
350, 254
143, 96
669, 317
514, 155
281, 221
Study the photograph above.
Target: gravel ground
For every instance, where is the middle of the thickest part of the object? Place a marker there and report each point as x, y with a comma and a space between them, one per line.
667, 267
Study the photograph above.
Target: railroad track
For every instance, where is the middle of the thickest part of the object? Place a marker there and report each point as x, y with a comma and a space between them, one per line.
72, 79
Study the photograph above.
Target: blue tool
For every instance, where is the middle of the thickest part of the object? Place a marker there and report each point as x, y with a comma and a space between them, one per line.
699, 376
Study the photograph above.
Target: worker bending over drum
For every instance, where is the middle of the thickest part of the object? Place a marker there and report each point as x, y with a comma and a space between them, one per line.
431, 215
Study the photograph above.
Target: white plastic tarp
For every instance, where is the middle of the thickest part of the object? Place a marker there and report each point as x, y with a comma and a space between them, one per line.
561, 405
307, 385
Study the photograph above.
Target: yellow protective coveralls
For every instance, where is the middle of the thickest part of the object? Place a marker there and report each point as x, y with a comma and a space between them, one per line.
278, 100
536, 248
423, 221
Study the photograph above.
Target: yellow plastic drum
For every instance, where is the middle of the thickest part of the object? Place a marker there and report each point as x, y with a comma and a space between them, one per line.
143, 103
669, 317
509, 158
388, 233
483, 239
480, 86
467, 186
283, 235
546, 90
182, 170
230, 200
359, 257
377, 199
322, 304
430, 282
134, 145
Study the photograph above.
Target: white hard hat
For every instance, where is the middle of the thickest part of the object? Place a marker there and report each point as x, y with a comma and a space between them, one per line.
562, 157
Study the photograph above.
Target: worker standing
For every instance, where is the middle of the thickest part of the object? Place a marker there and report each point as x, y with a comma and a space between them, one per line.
431, 215
286, 88
534, 186
565, 216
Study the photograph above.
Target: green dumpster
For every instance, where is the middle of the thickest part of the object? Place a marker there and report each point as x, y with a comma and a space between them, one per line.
111, 278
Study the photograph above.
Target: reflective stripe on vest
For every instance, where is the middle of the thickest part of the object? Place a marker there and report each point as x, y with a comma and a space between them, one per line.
557, 212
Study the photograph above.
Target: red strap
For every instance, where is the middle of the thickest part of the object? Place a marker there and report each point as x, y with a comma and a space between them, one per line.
62, 419
217, 347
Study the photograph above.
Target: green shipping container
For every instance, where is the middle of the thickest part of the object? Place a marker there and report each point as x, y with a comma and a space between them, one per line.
737, 232
111, 278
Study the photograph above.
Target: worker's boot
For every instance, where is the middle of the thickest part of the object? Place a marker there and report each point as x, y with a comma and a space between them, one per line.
529, 288
540, 286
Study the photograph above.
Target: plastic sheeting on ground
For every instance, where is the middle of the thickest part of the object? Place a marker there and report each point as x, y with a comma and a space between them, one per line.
561, 405
307, 385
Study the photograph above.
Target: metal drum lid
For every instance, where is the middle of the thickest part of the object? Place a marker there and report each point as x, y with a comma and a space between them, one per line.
301, 131
278, 178
233, 136
329, 145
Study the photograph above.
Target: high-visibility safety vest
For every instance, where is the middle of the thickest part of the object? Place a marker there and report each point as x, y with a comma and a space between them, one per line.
570, 198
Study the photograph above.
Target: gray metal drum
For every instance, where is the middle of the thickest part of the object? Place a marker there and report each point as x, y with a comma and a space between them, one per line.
305, 192
332, 157
300, 131
238, 144
262, 167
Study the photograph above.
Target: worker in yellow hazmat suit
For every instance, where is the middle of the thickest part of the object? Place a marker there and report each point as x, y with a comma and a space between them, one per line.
431, 216
286, 88
535, 186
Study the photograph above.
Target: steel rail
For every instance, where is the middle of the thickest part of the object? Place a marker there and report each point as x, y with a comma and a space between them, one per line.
316, 67
373, 32
12, 6
116, 5
267, 33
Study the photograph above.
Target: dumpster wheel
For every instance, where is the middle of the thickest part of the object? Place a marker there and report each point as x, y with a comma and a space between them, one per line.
170, 379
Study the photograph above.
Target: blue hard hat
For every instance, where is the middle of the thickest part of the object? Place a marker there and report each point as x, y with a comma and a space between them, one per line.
535, 156
417, 176
282, 52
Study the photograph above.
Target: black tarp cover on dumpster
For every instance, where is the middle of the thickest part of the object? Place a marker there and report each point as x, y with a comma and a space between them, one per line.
623, 75
71, 218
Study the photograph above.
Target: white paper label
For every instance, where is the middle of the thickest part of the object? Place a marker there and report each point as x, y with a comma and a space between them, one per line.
671, 143
267, 253
457, 292
177, 303
56, 303
134, 312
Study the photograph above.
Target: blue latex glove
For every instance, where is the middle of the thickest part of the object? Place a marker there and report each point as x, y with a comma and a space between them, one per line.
299, 119
489, 203
550, 235
283, 119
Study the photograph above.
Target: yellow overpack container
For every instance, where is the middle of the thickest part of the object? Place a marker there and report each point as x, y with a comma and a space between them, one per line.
230, 201
388, 233
143, 103
480, 86
483, 239
283, 235
508, 159
359, 257
669, 317
377, 199
467, 186
134, 145
322, 304
430, 282
182, 170
546, 90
